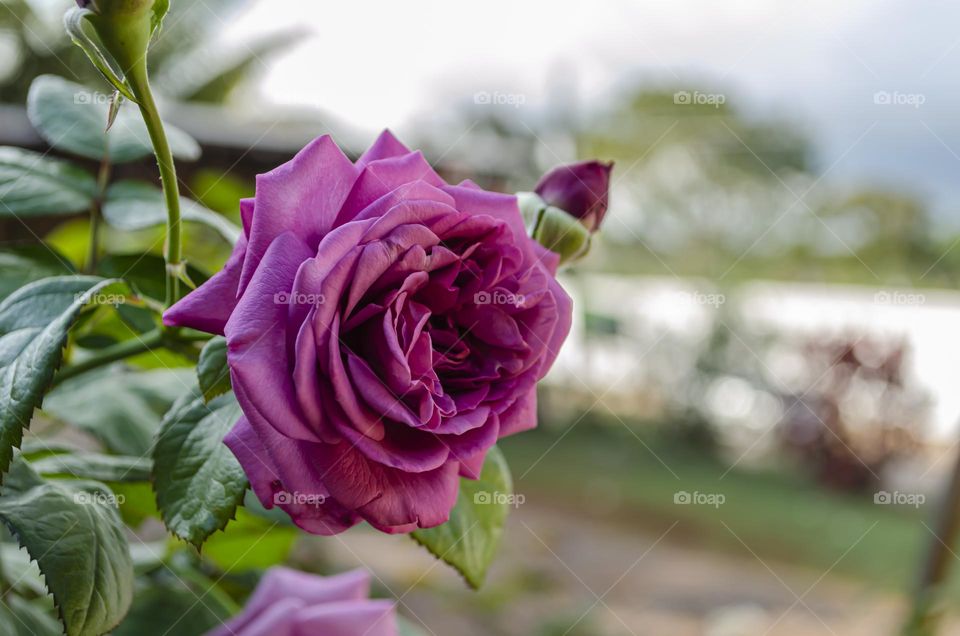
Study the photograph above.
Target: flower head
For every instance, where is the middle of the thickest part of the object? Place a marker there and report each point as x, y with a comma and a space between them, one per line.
384, 329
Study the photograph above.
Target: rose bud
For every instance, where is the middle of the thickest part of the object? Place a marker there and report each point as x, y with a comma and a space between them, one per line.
579, 189
553, 228
290, 602
124, 27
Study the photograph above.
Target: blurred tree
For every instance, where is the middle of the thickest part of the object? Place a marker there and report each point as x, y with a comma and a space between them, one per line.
703, 189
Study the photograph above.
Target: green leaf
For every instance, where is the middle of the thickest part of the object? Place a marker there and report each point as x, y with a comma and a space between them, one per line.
109, 468
137, 504
34, 322
26, 618
201, 495
72, 118
129, 409
136, 205
159, 11
173, 605
213, 373
26, 263
407, 628
469, 540
75, 534
250, 543
73, 22
32, 184
144, 272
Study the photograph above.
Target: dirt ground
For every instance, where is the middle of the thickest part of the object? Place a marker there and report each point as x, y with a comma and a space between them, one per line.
559, 574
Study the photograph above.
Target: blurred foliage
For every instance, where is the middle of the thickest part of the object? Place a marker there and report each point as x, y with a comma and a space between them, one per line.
703, 189
185, 65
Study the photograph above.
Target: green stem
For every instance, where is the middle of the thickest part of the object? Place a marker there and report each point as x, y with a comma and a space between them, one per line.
140, 86
119, 351
103, 177
927, 609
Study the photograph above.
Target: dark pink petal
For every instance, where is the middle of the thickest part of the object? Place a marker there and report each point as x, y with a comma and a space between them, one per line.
257, 341
356, 618
274, 620
499, 206
560, 331
476, 440
381, 177
267, 459
401, 448
579, 189
386, 496
521, 415
246, 214
302, 196
471, 467
281, 582
384, 147
208, 307
306, 380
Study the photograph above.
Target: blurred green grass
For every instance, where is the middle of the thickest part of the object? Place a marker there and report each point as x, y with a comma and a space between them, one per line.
611, 473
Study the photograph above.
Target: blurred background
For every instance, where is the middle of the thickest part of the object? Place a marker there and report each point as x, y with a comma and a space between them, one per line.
755, 414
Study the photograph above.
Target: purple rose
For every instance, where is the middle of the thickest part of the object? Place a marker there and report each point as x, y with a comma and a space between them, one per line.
580, 189
383, 329
291, 603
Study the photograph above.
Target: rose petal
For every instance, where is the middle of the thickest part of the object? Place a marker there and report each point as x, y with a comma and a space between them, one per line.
268, 460
257, 342
386, 496
209, 306
383, 176
384, 147
303, 195
357, 618
275, 620
521, 415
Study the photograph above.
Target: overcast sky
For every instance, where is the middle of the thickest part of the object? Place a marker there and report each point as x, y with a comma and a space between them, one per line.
819, 62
